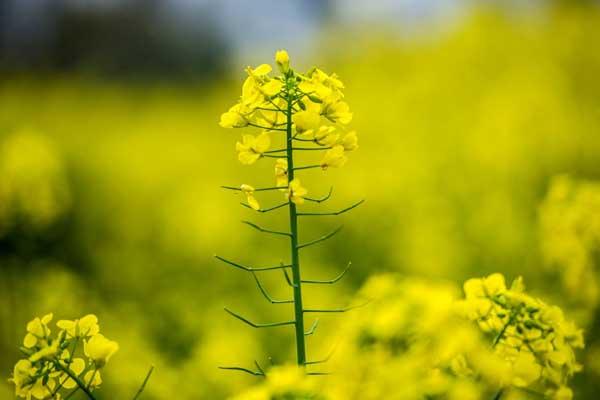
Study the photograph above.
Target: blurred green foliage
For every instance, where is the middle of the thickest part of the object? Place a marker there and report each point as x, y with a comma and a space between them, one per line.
110, 200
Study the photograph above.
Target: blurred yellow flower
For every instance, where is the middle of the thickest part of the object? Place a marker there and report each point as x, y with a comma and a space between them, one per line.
249, 192
283, 60
37, 329
296, 192
86, 326
233, 118
252, 147
100, 349
334, 157
281, 172
338, 111
350, 141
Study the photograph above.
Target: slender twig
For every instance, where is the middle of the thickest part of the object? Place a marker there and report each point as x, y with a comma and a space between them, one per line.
330, 281
144, 383
323, 360
322, 199
264, 210
307, 167
321, 239
264, 292
265, 127
250, 269
255, 373
287, 278
79, 382
313, 328
253, 225
334, 310
335, 212
255, 325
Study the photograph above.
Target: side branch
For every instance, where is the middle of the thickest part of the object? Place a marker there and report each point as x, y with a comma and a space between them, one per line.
255, 325
321, 239
334, 310
313, 328
264, 292
335, 212
246, 370
322, 199
264, 210
144, 383
323, 360
251, 269
253, 225
330, 281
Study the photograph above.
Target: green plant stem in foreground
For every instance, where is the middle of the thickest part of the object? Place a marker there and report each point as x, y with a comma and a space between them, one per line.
296, 278
81, 384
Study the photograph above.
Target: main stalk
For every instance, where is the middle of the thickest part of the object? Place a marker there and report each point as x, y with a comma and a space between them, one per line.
296, 280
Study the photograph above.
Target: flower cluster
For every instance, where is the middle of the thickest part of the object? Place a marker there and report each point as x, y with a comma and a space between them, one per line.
533, 337
70, 360
311, 106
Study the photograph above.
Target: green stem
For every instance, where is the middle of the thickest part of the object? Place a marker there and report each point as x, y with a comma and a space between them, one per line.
79, 382
298, 310
141, 389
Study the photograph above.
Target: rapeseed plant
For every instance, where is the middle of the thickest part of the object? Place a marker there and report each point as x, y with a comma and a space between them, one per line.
58, 366
309, 112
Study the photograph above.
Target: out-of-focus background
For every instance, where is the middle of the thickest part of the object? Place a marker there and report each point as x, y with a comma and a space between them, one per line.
479, 126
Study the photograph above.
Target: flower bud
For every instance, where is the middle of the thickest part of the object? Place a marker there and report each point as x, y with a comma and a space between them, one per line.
283, 61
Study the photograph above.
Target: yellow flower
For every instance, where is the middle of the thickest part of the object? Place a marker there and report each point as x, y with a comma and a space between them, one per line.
259, 72
233, 118
334, 157
338, 111
563, 393
93, 378
45, 352
525, 370
86, 326
249, 192
100, 349
306, 120
272, 87
484, 287
77, 366
283, 60
350, 141
281, 172
296, 192
37, 329
251, 148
